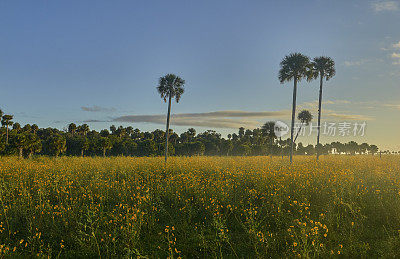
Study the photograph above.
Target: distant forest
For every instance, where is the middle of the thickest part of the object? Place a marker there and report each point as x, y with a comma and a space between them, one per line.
80, 140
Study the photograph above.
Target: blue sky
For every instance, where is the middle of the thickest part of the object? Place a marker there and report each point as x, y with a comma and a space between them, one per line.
76, 61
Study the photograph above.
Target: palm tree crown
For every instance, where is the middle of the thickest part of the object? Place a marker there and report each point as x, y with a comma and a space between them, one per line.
295, 66
305, 117
171, 85
324, 67
268, 129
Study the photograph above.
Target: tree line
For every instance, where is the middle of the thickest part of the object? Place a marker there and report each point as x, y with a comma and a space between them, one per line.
80, 140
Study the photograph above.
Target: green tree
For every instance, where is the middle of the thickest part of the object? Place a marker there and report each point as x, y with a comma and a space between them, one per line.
268, 131
113, 129
34, 128
105, 144
19, 141
17, 127
295, 66
226, 147
7, 121
241, 132
104, 133
170, 86
305, 118
191, 133
27, 128
147, 147
129, 130
83, 129
57, 144
83, 144
72, 128
33, 144
324, 67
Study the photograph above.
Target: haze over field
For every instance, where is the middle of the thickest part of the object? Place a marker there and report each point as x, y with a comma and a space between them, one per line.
98, 63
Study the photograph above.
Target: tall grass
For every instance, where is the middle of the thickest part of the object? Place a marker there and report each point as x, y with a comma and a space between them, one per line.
200, 207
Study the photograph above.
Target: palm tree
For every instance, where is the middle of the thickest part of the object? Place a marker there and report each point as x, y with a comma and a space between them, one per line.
57, 144
295, 66
170, 86
83, 129
72, 128
34, 128
33, 144
305, 118
269, 132
20, 142
324, 67
83, 144
7, 121
105, 144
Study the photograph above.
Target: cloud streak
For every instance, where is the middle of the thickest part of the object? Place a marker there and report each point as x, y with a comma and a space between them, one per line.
96, 108
234, 119
395, 106
384, 5
355, 63
218, 119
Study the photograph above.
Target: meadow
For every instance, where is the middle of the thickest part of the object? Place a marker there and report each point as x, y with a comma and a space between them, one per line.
200, 207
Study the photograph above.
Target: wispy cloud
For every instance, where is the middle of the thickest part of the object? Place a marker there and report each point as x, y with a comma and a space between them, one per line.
332, 113
218, 119
96, 108
348, 117
394, 106
234, 119
314, 104
385, 5
351, 63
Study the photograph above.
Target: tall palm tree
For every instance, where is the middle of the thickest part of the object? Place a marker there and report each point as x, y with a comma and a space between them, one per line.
7, 121
324, 67
295, 66
305, 118
170, 86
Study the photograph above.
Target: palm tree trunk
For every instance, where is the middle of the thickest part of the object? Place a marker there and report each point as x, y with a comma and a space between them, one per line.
104, 152
7, 136
270, 150
319, 114
293, 117
167, 130
20, 152
82, 153
297, 134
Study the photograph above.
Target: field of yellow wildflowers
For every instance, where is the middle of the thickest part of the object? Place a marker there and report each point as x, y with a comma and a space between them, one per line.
200, 207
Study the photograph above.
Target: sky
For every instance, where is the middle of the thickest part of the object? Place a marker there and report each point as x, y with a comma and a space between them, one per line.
98, 62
